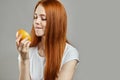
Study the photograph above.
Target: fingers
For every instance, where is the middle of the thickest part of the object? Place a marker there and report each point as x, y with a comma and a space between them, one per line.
22, 45
25, 46
28, 44
18, 38
23, 42
16, 34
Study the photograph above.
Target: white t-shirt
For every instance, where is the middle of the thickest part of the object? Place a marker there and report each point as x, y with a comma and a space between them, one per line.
37, 62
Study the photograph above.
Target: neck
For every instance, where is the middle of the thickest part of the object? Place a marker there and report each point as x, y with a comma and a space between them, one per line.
41, 47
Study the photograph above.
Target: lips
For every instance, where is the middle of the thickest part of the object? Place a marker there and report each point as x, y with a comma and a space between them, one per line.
38, 27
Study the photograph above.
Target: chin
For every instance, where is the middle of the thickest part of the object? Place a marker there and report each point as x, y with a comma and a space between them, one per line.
40, 35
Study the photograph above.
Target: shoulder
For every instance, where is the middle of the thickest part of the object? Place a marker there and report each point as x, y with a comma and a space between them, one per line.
69, 63
70, 53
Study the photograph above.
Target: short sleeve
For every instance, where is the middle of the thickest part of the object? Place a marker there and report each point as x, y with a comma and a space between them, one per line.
70, 53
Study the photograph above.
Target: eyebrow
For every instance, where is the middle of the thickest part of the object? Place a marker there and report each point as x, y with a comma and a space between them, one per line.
40, 14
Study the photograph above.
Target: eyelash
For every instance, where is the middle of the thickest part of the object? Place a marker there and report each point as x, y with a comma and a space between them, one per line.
35, 17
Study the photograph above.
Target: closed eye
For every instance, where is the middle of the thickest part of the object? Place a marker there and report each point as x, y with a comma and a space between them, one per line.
42, 17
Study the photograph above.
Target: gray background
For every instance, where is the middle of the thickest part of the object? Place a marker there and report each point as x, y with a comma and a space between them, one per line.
93, 28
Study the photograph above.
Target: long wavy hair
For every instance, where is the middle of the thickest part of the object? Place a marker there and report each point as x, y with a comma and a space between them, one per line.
55, 37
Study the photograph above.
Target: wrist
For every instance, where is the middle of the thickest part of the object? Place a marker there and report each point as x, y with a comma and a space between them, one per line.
24, 58
25, 61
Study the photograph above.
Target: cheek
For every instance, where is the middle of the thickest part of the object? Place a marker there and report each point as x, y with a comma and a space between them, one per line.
44, 24
33, 23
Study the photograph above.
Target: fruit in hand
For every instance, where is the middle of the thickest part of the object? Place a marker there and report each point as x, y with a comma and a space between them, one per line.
24, 34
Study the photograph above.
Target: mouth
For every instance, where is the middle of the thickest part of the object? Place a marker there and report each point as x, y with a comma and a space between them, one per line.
38, 27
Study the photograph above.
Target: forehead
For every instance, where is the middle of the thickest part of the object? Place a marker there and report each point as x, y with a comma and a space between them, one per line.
40, 10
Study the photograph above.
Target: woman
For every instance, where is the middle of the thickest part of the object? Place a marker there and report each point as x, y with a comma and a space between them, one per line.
48, 56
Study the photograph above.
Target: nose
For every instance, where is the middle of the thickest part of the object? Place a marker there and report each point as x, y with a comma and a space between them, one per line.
38, 21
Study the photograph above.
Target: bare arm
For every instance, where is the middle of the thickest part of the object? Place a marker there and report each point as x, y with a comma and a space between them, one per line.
24, 73
24, 64
67, 70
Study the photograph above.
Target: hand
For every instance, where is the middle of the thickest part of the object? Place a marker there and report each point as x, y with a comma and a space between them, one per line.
22, 47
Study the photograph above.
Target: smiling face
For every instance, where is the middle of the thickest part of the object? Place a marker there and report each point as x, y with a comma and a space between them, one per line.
39, 21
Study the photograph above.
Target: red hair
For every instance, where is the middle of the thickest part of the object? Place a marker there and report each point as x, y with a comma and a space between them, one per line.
55, 37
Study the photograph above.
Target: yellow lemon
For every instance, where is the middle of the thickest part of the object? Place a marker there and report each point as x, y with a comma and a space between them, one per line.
24, 34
